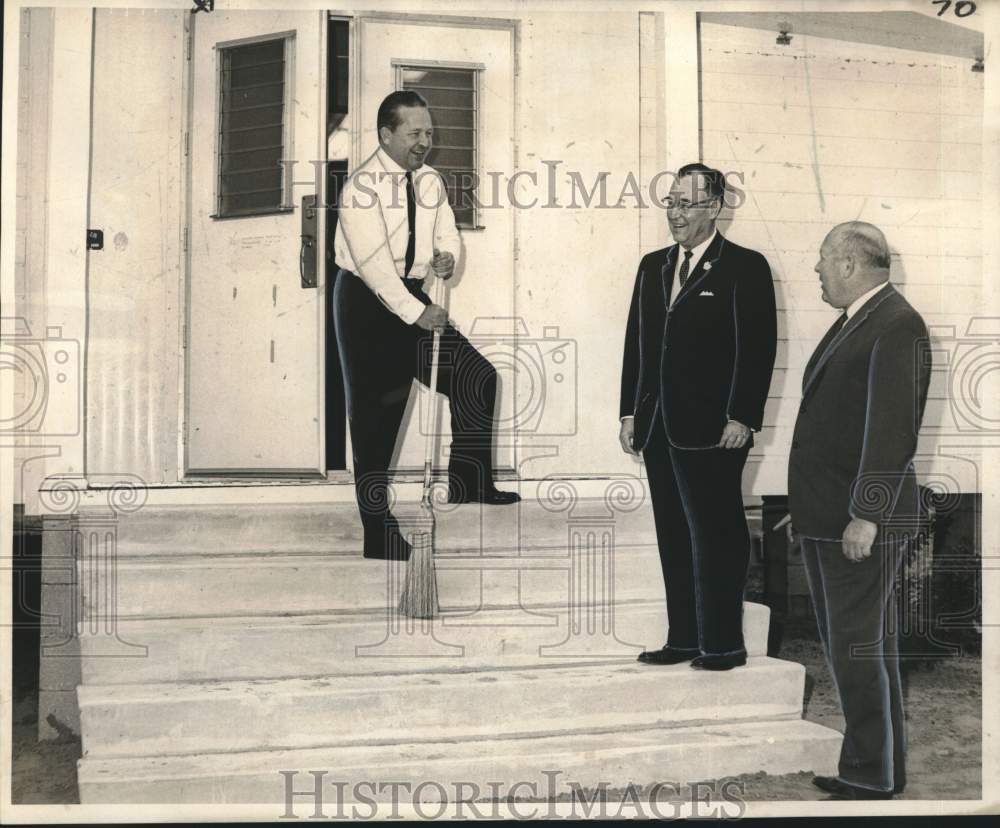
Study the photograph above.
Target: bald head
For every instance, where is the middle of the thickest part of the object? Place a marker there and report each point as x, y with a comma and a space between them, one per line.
854, 258
864, 243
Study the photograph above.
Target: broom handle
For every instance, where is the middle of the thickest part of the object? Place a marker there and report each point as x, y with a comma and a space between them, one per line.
432, 418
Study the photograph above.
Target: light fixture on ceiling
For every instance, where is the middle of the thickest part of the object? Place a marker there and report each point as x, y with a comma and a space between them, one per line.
978, 65
783, 38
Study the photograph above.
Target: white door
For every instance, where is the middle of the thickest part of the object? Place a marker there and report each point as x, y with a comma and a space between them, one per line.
457, 66
254, 357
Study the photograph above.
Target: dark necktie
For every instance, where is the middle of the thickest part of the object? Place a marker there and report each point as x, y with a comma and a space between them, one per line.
411, 220
824, 343
834, 330
685, 268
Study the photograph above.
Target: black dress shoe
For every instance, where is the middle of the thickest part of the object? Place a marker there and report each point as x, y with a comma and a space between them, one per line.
491, 497
394, 549
387, 544
830, 784
852, 792
719, 662
843, 791
666, 655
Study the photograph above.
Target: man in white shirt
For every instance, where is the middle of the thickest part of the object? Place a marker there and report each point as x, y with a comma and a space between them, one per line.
395, 228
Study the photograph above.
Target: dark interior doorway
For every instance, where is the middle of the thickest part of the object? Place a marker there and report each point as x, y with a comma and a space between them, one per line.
338, 54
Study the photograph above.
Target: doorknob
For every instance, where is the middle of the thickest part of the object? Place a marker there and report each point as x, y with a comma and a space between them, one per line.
307, 252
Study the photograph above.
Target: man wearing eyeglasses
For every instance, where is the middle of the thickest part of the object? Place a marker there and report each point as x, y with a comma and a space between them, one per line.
699, 351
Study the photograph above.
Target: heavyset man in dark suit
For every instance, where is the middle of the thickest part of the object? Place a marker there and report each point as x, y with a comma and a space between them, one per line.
395, 227
699, 351
853, 496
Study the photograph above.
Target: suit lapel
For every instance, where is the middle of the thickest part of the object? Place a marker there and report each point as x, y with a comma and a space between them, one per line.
667, 274
820, 349
844, 333
701, 271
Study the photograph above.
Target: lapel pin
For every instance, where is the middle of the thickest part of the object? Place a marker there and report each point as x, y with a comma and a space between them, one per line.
707, 267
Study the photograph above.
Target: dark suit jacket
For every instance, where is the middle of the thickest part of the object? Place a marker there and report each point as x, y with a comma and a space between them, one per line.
863, 396
709, 358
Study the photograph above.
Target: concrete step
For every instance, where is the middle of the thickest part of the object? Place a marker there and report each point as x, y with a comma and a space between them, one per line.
549, 762
164, 719
282, 646
256, 583
282, 527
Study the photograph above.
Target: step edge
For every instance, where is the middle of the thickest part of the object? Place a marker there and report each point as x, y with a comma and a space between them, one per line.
363, 615
94, 695
157, 555
778, 714
689, 730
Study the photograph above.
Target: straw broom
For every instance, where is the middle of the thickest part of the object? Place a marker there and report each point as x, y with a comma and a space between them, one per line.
419, 598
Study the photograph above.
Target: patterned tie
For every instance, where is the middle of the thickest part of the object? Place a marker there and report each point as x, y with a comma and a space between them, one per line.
411, 220
685, 268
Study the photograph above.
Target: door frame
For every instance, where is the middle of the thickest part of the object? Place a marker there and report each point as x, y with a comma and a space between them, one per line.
359, 152
503, 24
357, 155
184, 474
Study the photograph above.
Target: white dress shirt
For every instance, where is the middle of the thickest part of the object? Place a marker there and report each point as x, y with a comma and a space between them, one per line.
855, 306
373, 231
697, 253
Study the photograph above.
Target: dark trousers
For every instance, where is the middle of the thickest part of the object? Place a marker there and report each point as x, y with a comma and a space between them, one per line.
704, 543
856, 615
381, 355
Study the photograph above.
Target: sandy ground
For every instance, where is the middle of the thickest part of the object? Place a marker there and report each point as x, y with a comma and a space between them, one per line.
943, 703
42, 773
943, 706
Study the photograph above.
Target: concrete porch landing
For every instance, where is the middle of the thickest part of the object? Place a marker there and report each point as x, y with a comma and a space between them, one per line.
224, 644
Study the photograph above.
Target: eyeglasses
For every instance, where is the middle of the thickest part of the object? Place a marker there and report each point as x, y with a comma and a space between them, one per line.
683, 205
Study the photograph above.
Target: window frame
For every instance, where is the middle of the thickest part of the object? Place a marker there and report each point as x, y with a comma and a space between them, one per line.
287, 120
400, 65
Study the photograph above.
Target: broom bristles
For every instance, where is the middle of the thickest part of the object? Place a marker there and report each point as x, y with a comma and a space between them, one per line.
419, 598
